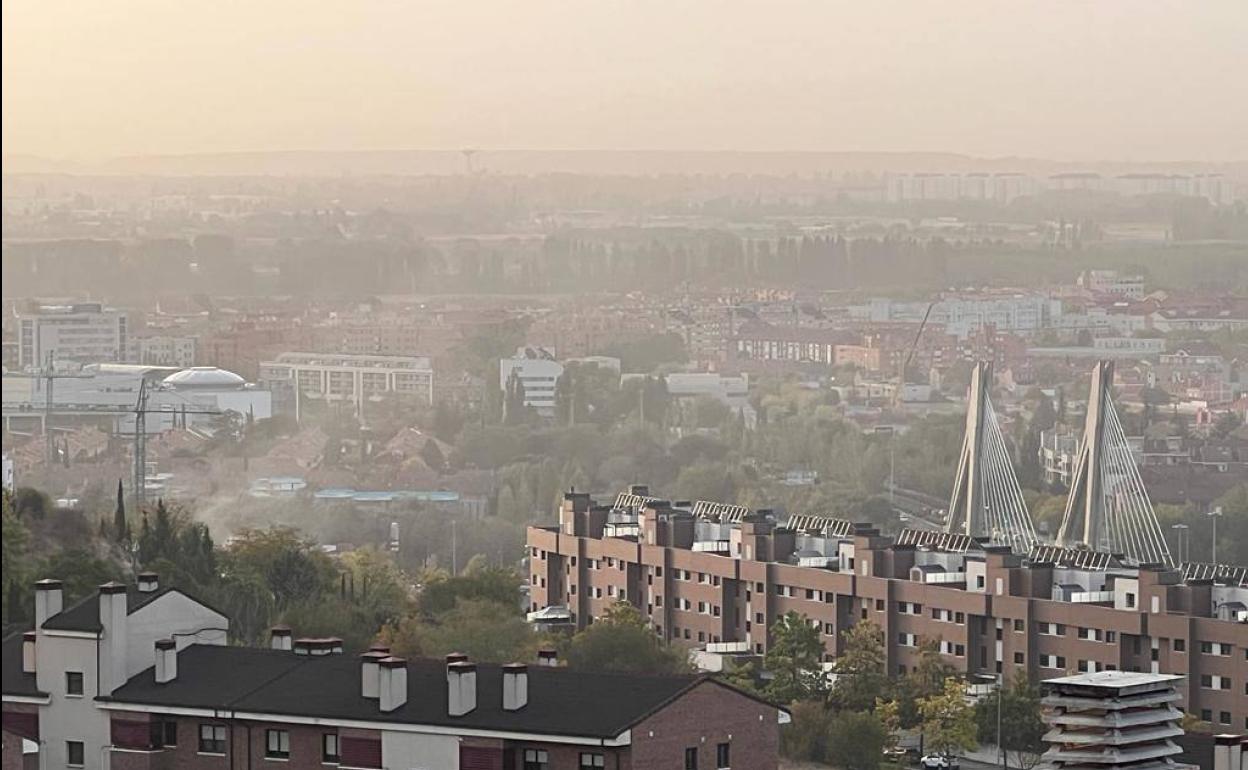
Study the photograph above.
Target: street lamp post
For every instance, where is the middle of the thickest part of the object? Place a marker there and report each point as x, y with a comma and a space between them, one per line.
1215, 514
1180, 529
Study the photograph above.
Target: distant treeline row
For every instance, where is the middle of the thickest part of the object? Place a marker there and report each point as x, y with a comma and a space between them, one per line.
588, 260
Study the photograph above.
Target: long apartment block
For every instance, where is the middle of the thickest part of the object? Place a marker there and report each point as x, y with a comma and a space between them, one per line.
717, 576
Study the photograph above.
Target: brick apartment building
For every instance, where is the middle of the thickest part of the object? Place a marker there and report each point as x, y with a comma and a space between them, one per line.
711, 574
140, 679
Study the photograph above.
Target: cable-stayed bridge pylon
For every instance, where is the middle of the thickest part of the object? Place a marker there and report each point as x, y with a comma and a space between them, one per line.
987, 501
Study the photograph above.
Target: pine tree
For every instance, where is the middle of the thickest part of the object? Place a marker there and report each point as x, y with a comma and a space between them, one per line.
121, 531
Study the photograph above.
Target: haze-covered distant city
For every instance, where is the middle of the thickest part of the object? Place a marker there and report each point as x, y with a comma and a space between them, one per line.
621, 385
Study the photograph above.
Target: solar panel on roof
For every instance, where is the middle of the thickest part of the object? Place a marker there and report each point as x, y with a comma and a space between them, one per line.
937, 541
722, 512
1233, 574
819, 525
628, 501
1072, 557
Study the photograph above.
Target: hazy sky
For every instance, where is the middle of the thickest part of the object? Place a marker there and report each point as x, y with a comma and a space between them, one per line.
1066, 79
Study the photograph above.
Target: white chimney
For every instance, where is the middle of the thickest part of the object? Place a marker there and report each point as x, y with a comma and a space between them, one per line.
166, 661
547, 656
280, 637
48, 600
113, 613
392, 682
28, 652
370, 670
461, 688
515, 686
149, 582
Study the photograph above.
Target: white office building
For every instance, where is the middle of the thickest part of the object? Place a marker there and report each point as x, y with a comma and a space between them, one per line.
85, 333
353, 379
538, 372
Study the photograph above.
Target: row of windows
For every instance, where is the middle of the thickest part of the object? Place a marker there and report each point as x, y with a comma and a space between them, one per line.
213, 737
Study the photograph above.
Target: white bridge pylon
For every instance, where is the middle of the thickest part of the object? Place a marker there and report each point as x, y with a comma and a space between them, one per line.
1108, 508
987, 501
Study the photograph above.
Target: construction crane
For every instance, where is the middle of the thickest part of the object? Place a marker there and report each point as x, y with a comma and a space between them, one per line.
914, 346
49, 376
140, 440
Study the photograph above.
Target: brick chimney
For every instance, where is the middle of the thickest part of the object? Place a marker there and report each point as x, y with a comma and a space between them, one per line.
166, 661
112, 599
49, 599
515, 686
547, 656
392, 680
28, 652
370, 670
461, 688
280, 638
149, 582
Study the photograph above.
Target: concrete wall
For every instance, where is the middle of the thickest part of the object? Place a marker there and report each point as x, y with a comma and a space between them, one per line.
419, 751
68, 717
172, 615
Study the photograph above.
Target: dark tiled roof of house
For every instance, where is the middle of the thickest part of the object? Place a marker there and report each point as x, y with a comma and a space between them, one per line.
561, 701
85, 615
16, 681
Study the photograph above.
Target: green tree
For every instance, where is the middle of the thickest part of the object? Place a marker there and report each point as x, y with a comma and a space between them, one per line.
294, 569
805, 738
16, 564
1017, 708
29, 503
495, 584
481, 629
860, 672
121, 530
948, 722
621, 641
793, 659
926, 679
856, 740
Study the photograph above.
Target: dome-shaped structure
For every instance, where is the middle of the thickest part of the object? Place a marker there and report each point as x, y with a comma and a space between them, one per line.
204, 378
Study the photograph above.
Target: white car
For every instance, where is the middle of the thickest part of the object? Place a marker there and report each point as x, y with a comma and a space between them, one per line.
939, 762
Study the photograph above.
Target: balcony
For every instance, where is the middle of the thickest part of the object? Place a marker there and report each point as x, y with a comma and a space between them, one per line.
1092, 597
713, 546
944, 578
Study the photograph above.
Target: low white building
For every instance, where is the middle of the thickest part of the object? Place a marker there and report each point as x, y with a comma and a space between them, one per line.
344, 378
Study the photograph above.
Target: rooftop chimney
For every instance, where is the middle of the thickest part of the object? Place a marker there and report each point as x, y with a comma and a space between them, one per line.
113, 613
380, 648
166, 661
515, 686
280, 637
149, 582
371, 673
461, 688
28, 652
546, 656
48, 600
392, 681
455, 657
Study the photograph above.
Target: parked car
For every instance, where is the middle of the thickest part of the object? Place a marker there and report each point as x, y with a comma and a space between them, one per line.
939, 762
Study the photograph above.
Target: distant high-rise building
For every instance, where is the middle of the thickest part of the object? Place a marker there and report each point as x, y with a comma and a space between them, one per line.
85, 333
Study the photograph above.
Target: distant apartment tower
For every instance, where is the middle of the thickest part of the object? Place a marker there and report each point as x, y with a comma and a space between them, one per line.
166, 350
538, 372
293, 377
85, 333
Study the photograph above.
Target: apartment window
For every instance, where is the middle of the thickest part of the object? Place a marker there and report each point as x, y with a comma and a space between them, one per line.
1111, 637
960, 618
979, 581
723, 756
536, 759
1180, 645
329, 748
164, 733
212, 739
879, 605
1206, 681
1224, 717
959, 650
829, 629
73, 683
1019, 626
1206, 715
691, 759
810, 593
277, 744
75, 754
589, 761
758, 617
1130, 600
1019, 659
